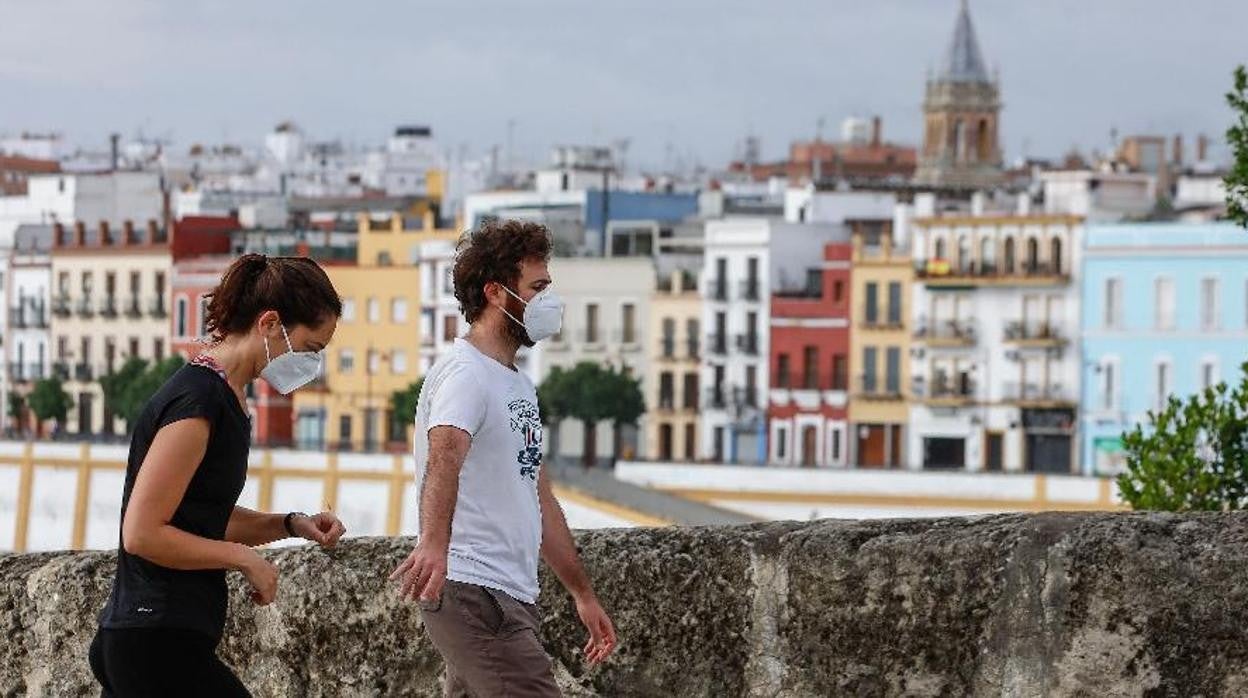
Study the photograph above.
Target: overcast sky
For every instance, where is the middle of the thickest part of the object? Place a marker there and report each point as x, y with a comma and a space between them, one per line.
696, 74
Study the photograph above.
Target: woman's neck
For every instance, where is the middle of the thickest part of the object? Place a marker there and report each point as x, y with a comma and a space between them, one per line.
232, 356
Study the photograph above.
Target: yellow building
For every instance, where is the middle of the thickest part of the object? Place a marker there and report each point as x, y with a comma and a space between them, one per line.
672, 384
376, 349
879, 346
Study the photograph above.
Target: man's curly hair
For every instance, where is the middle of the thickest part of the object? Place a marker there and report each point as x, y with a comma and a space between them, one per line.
493, 252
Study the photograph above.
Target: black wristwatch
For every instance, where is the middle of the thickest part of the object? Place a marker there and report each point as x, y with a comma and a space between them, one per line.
290, 531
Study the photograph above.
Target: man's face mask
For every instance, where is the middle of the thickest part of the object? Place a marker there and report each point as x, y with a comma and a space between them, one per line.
543, 316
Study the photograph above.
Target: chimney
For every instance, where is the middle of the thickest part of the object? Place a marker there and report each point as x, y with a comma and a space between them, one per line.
127, 235
151, 232
80, 234
114, 139
1178, 150
1202, 147
103, 240
58, 236
876, 127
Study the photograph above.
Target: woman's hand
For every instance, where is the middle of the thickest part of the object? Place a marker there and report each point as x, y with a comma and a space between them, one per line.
323, 529
261, 574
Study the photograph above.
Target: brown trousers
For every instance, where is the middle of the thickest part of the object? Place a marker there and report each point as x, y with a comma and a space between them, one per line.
488, 641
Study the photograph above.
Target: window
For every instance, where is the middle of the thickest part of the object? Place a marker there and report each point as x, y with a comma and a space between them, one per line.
374, 311
782, 371
810, 368
180, 316
344, 430
203, 316
348, 310
838, 291
894, 303
450, 328
398, 362
751, 283
374, 362
383, 259
158, 349
668, 345
940, 248
690, 442
840, 372
1164, 303
591, 323
692, 327
398, 310
1113, 303
1163, 384
667, 390
87, 283
160, 285
1008, 262
834, 435
62, 283
872, 309
893, 370
135, 281
629, 323
782, 442
868, 369
1109, 385
1209, 311
346, 360
1208, 373
134, 346
1055, 255
751, 386
691, 392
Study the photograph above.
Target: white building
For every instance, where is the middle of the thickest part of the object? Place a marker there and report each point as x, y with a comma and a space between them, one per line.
1097, 195
994, 358
605, 320
111, 196
745, 258
440, 320
27, 337
810, 205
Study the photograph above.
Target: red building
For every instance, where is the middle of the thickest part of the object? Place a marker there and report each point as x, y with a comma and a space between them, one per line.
201, 254
872, 159
808, 410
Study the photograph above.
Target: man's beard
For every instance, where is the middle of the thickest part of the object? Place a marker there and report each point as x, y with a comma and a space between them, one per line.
514, 329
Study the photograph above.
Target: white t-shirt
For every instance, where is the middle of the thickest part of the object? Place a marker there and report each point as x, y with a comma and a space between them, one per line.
496, 532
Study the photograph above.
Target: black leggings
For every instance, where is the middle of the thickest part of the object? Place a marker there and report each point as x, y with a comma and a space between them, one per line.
160, 662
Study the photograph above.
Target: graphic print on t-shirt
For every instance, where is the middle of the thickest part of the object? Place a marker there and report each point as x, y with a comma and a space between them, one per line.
526, 420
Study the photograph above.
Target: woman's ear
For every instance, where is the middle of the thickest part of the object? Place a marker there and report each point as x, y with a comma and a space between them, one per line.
268, 324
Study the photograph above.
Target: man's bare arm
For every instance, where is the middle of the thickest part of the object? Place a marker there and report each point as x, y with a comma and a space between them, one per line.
424, 570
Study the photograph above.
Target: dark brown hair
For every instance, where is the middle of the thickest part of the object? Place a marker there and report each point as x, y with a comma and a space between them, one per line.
296, 287
493, 252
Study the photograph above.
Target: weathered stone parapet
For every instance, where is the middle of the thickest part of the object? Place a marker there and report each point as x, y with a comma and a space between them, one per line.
1053, 604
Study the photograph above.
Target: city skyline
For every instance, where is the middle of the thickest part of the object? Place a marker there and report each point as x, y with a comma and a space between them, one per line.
685, 77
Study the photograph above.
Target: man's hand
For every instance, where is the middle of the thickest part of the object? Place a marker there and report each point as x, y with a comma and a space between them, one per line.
324, 528
423, 573
601, 633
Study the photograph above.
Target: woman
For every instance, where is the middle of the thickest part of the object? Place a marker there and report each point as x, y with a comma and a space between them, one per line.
181, 530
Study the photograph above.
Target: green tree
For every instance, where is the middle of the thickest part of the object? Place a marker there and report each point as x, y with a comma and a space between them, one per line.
48, 400
403, 408
1192, 454
1237, 137
16, 404
142, 385
590, 393
116, 388
627, 404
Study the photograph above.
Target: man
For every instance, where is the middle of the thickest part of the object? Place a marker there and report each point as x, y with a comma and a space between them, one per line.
486, 507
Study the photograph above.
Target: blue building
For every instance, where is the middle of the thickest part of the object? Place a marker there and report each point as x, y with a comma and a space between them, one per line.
1165, 312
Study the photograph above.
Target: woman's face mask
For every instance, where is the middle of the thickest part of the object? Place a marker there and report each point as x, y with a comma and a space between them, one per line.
292, 370
543, 314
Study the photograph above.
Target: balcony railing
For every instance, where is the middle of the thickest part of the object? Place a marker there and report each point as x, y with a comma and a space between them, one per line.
134, 307
156, 307
1033, 332
667, 347
751, 290
692, 348
718, 289
717, 344
716, 398
108, 307
945, 388
83, 372
61, 306
84, 307
1053, 393
60, 370
748, 344
960, 332
878, 387
667, 401
939, 271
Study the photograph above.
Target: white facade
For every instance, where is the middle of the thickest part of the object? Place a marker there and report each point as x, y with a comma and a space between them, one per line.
27, 336
806, 205
995, 356
606, 320
745, 259
1098, 196
440, 320
1200, 190
90, 198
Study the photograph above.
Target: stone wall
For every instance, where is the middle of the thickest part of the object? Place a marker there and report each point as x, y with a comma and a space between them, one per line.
1052, 604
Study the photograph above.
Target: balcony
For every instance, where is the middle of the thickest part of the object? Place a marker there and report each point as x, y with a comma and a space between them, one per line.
592, 340
748, 344
877, 388
718, 290
1038, 395
61, 306
84, 307
751, 290
946, 391
1034, 334
939, 273
667, 348
60, 370
108, 307
157, 309
716, 398
667, 402
134, 307
946, 333
884, 324
717, 344
627, 341
83, 372
692, 348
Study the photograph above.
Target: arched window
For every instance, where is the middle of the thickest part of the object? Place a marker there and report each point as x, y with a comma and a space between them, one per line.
940, 249
1007, 266
964, 255
1055, 255
981, 142
988, 255
1033, 255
